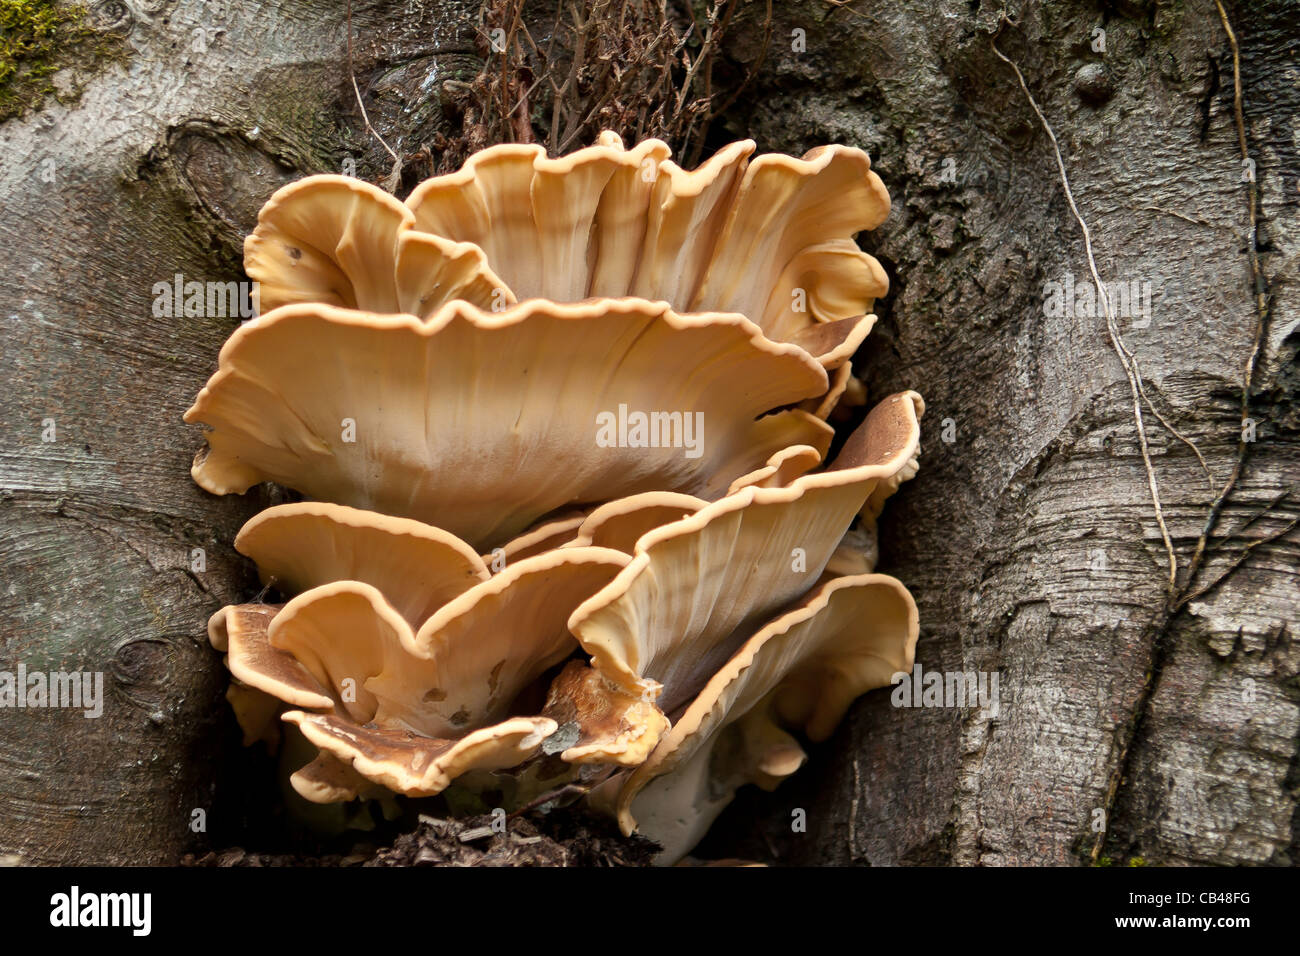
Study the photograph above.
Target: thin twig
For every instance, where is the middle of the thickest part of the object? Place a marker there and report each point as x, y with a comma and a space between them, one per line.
357, 90
568, 790
1259, 288
1205, 467
1218, 544
1238, 562
1152, 207
1126, 358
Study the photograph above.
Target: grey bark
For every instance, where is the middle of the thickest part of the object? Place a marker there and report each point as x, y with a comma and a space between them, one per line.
159, 169
1029, 540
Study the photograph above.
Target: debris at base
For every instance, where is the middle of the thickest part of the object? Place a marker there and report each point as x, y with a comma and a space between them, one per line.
534, 840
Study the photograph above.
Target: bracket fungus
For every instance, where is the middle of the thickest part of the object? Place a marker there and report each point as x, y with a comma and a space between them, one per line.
770, 239
461, 421
667, 620
561, 428
801, 670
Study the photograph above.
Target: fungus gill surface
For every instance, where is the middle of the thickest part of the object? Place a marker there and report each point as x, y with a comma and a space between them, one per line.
560, 425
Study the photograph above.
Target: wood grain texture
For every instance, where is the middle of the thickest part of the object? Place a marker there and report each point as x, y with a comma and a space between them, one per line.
1029, 539
158, 169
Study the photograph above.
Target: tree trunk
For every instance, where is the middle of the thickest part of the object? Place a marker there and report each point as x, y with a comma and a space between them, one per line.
1126, 728
1124, 732
157, 170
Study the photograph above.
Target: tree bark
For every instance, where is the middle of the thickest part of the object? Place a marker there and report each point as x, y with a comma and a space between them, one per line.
1125, 730
1125, 733
157, 170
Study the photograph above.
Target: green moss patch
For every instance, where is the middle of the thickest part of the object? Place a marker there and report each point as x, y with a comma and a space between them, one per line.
37, 39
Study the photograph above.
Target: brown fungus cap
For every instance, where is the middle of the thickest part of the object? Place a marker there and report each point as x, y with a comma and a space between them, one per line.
460, 421
800, 671
403, 708
241, 631
416, 566
669, 619
598, 723
770, 238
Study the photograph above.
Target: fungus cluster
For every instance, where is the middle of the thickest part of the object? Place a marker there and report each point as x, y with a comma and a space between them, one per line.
560, 425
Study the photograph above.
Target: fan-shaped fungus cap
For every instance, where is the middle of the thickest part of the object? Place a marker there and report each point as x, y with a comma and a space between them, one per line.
771, 239
409, 763
263, 679
554, 228
327, 779
435, 701
241, 632
716, 234
619, 523
444, 435
330, 239
781, 469
833, 343
544, 536
338, 241
802, 670
663, 624
785, 208
687, 211
837, 280
467, 662
416, 566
